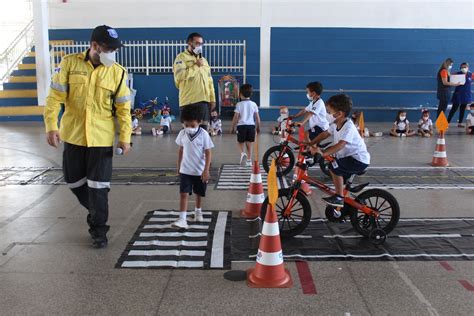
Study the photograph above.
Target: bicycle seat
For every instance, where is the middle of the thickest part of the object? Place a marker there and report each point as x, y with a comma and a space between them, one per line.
357, 188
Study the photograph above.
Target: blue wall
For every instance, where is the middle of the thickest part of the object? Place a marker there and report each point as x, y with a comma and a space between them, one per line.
383, 67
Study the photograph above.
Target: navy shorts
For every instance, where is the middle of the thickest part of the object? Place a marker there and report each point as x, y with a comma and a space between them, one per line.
192, 184
314, 132
246, 133
347, 166
165, 129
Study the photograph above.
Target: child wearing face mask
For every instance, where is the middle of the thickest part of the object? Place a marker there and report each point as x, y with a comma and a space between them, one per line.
470, 121
280, 121
194, 161
216, 124
165, 124
401, 127
462, 95
349, 148
425, 125
315, 113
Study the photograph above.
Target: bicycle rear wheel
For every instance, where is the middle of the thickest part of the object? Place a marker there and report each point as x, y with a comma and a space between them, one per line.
284, 159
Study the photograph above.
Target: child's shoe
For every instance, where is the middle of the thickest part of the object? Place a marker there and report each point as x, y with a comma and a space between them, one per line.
461, 125
159, 133
243, 158
198, 217
378, 134
248, 163
153, 131
335, 200
403, 135
180, 223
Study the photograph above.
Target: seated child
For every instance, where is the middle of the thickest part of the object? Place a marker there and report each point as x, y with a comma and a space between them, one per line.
470, 122
136, 129
356, 119
280, 121
216, 124
401, 127
349, 148
425, 125
165, 123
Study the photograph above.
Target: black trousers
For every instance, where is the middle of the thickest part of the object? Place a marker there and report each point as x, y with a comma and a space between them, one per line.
453, 110
442, 106
87, 171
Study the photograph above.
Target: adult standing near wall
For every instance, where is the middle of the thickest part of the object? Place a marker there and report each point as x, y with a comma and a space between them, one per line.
444, 92
192, 76
462, 94
92, 86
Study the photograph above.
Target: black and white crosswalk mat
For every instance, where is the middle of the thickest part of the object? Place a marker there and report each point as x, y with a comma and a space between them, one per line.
237, 177
204, 245
412, 239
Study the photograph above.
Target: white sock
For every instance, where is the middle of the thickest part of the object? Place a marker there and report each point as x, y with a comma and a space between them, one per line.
197, 210
182, 215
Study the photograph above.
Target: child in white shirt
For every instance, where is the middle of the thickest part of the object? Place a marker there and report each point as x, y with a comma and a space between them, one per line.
280, 120
165, 124
401, 126
248, 122
216, 124
470, 122
425, 125
315, 113
194, 161
136, 129
349, 148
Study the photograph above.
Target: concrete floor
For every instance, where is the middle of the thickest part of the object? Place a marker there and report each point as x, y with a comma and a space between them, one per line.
48, 267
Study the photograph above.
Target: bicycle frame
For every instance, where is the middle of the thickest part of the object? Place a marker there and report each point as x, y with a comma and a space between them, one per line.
302, 176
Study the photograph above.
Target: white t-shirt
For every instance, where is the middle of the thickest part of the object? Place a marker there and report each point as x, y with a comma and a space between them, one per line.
134, 123
402, 125
426, 126
246, 110
216, 125
470, 120
165, 121
355, 146
194, 146
319, 117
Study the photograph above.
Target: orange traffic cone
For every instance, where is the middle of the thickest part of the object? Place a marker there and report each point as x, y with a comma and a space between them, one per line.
255, 196
269, 271
440, 159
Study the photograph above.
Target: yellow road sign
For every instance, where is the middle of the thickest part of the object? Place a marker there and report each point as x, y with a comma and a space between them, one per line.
442, 123
272, 185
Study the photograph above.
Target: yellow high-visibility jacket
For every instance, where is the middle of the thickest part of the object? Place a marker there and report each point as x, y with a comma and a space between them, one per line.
195, 83
87, 94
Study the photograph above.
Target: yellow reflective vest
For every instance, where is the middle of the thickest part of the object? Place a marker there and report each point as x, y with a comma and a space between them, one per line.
195, 83
87, 93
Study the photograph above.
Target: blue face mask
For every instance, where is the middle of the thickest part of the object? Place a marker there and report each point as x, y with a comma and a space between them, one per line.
166, 115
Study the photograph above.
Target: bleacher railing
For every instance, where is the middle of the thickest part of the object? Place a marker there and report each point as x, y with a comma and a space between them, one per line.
149, 57
14, 53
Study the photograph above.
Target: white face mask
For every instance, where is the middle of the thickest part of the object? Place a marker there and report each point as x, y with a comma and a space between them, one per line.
402, 118
464, 70
197, 50
107, 59
284, 114
330, 118
191, 130
450, 66
309, 97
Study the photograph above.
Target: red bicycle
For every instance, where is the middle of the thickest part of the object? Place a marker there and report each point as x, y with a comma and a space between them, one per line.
283, 153
373, 213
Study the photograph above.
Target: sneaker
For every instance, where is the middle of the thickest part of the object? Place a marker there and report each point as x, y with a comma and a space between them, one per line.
138, 133
248, 163
378, 134
153, 131
403, 135
334, 200
159, 133
180, 223
461, 125
198, 217
243, 158
99, 242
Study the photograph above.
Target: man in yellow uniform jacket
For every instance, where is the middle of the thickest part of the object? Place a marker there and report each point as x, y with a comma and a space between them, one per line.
93, 89
192, 76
